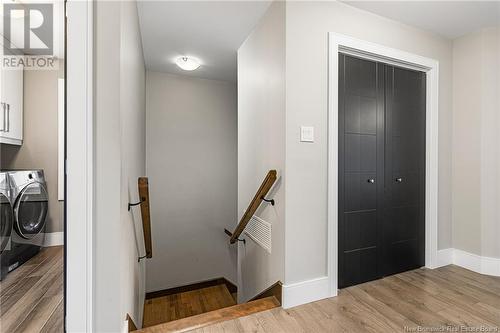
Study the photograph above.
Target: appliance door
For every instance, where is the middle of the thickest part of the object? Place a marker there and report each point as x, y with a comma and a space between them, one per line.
6, 220
30, 210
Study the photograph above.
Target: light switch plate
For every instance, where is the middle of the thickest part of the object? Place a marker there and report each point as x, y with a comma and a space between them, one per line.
306, 134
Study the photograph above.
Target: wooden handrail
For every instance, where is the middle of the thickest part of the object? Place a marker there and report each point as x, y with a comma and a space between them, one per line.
264, 188
146, 222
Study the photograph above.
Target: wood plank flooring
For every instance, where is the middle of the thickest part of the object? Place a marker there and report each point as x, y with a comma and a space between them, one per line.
446, 298
31, 297
177, 306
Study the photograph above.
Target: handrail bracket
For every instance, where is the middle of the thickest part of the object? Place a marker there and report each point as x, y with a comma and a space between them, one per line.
130, 205
271, 201
230, 234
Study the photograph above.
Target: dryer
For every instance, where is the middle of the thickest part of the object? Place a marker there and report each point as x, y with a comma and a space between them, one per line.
30, 206
6, 222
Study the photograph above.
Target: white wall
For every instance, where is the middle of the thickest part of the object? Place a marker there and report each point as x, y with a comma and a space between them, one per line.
119, 161
476, 153
191, 163
261, 145
490, 149
307, 27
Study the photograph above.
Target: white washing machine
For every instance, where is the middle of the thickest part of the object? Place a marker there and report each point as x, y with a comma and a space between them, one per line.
6, 222
30, 201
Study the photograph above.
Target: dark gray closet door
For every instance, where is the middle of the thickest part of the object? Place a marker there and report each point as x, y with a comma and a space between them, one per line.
361, 176
381, 170
404, 220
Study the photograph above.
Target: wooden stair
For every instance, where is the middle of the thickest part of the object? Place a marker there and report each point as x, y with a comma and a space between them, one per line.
214, 317
202, 304
188, 303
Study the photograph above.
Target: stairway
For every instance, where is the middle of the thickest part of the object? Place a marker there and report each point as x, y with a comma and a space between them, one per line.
190, 309
201, 304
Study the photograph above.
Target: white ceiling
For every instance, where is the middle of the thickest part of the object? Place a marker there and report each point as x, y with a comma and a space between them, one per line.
450, 19
210, 31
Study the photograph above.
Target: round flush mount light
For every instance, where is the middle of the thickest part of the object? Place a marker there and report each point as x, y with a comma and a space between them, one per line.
187, 63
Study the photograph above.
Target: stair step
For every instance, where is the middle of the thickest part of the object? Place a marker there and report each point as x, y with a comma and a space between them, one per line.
214, 317
168, 308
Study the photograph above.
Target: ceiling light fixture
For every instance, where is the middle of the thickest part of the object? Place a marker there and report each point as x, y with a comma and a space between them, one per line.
187, 63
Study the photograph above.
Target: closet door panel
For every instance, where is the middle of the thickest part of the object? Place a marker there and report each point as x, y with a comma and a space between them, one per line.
405, 190
403, 256
360, 153
360, 194
359, 230
403, 226
362, 115
360, 159
361, 266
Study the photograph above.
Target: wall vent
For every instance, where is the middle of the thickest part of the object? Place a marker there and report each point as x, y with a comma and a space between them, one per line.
260, 231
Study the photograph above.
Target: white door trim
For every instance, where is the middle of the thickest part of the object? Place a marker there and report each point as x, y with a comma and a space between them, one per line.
79, 167
342, 43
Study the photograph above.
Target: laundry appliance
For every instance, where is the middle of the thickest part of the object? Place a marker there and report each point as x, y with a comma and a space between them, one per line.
6, 221
30, 206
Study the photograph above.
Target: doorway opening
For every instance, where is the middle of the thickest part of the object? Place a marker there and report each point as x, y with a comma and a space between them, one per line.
32, 175
381, 170
370, 51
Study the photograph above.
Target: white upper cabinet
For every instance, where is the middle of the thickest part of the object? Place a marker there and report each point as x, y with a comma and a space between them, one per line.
11, 104
11, 107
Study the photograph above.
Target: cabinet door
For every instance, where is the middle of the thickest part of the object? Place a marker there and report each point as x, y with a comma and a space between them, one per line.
3, 122
12, 96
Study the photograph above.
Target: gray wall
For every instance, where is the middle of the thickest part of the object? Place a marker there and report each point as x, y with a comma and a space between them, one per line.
191, 156
261, 146
120, 110
307, 27
40, 143
476, 153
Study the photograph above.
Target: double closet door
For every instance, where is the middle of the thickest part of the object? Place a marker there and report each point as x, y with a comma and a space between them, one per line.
381, 170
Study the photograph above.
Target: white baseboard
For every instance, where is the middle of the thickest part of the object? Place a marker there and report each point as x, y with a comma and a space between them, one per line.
473, 262
313, 290
305, 292
483, 265
53, 239
125, 327
444, 257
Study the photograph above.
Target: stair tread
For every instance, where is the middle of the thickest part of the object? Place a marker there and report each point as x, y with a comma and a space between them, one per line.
186, 304
213, 317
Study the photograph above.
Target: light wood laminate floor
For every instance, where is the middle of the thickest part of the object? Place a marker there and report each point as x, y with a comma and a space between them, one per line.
449, 298
31, 297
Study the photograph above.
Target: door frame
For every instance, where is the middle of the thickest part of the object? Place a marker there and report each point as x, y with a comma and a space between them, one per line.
375, 52
79, 167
